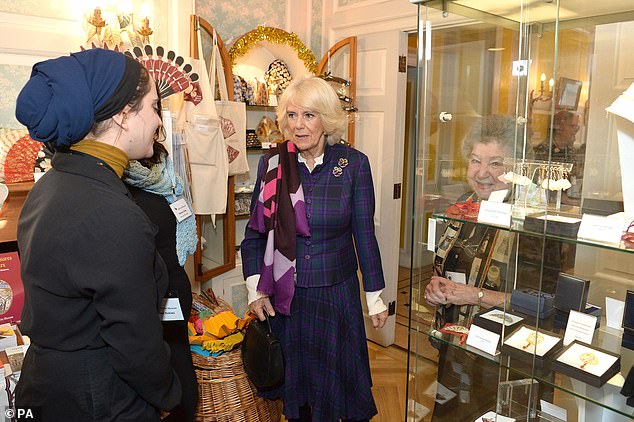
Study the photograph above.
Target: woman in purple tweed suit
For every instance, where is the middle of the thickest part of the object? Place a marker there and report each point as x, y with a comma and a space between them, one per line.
312, 220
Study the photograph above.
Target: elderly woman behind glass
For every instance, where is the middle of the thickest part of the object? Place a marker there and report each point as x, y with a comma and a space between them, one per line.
486, 145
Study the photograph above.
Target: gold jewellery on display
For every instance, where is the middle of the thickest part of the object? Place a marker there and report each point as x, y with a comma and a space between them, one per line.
533, 339
588, 358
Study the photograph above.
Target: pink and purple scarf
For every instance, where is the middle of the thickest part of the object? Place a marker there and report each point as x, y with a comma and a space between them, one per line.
280, 213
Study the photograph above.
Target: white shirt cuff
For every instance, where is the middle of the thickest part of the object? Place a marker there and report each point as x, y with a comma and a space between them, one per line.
375, 303
252, 288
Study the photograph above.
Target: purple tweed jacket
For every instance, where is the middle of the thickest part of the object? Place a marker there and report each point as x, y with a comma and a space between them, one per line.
339, 196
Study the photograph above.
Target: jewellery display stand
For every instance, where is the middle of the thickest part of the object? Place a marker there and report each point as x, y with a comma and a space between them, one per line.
622, 110
532, 180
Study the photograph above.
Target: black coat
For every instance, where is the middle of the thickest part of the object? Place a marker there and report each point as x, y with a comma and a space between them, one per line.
174, 332
93, 282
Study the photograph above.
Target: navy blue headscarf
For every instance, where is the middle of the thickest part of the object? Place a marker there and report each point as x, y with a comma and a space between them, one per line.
65, 96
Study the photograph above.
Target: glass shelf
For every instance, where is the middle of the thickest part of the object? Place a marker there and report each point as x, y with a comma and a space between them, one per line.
524, 368
517, 226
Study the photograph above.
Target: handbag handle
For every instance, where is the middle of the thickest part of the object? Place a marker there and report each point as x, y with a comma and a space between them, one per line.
268, 322
266, 319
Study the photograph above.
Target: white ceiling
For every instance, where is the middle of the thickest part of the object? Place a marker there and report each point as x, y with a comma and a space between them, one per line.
545, 10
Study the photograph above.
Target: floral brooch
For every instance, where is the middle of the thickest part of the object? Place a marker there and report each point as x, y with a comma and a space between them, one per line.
338, 169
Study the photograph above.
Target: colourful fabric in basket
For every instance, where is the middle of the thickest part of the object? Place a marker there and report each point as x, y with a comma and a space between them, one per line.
226, 344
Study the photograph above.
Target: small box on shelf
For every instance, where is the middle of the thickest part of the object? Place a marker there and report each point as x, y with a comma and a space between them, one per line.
532, 302
497, 320
553, 223
527, 342
586, 363
571, 293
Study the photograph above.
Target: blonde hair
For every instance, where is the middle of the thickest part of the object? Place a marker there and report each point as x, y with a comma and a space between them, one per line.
318, 96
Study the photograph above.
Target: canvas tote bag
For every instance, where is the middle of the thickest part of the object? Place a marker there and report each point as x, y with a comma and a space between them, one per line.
233, 117
206, 150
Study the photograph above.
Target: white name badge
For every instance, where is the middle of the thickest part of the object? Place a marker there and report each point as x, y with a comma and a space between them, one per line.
171, 310
580, 327
602, 229
180, 209
495, 213
482, 339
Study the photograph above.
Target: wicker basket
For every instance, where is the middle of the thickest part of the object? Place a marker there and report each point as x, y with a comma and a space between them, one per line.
225, 393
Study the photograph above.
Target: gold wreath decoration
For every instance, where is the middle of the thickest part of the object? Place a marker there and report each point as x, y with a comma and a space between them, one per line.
273, 35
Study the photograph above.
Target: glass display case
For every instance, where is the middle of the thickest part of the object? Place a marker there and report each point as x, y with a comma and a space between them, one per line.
523, 208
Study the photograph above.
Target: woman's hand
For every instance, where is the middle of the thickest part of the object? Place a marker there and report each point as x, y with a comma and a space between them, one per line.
434, 294
441, 291
378, 320
258, 306
459, 294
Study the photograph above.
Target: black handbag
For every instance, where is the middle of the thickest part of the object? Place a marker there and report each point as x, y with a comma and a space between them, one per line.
262, 355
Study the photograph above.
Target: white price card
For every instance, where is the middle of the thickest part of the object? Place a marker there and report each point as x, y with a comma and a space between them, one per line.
495, 213
482, 339
580, 327
601, 229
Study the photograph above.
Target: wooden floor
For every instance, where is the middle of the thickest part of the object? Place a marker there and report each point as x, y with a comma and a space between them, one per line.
389, 364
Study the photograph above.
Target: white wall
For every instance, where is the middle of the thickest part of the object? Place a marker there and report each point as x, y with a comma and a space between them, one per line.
36, 30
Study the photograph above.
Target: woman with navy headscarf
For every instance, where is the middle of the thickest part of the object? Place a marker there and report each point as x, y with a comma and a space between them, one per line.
92, 276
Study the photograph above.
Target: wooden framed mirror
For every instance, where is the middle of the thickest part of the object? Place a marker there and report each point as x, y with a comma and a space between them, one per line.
215, 253
339, 67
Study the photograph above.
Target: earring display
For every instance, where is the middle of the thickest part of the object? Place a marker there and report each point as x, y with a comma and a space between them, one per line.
526, 342
533, 180
588, 364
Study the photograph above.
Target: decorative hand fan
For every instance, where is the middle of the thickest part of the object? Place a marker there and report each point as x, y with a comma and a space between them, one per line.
170, 74
21, 159
104, 46
8, 137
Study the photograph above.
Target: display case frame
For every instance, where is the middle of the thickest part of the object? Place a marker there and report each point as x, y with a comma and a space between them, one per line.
491, 62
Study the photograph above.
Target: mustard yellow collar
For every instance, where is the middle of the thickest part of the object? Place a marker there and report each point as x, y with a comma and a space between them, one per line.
113, 156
